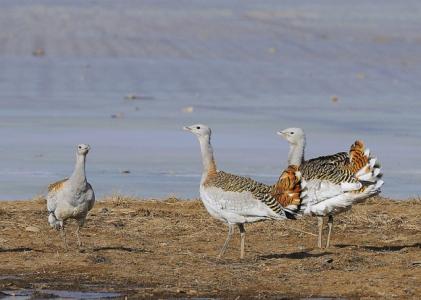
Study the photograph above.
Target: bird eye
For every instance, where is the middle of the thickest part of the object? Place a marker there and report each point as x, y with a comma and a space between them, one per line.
291, 132
80, 147
198, 127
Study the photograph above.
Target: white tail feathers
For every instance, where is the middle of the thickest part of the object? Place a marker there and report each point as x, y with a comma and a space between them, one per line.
331, 205
350, 186
372, 162
371, 190
371, 172
366, 177
379, 185
375, 188
363, 171
370, 177
367, 152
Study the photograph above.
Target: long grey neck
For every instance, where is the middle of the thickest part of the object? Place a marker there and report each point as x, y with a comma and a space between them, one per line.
79, 177
296, 153
208, 161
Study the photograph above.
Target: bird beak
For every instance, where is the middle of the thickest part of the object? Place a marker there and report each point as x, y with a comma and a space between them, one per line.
186, 128
281, 133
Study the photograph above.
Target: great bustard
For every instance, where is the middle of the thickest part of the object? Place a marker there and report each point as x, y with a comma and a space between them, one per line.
236, 200
336, 181
72, 197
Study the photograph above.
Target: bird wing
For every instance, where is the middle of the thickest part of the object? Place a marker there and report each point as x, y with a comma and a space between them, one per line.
340, 167
242, 195
56, 186
90, 196
328, 168
53, 188
334, 159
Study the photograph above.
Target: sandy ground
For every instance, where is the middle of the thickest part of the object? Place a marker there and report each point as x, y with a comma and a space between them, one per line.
169, 248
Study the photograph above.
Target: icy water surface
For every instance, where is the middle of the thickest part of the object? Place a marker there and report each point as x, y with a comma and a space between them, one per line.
247, 69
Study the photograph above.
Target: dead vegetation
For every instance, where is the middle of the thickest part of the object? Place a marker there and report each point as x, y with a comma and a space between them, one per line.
168, 248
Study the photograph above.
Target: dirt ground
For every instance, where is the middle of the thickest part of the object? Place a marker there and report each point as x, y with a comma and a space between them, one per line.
149, 249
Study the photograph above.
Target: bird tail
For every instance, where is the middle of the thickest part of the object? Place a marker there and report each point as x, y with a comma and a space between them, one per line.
359, 156
290, 191
367, 170
54, 222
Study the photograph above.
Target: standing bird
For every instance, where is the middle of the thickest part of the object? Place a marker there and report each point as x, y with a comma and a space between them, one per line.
334, 182
237, 200
71, 197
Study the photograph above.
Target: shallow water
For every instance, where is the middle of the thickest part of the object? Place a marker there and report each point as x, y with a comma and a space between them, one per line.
61, 294
248, 69
56, 294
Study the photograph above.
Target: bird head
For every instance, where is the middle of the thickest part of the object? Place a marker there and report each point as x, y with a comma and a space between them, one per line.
292, 135
83, 149
199, 130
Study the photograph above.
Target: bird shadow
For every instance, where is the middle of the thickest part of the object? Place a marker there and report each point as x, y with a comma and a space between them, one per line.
391, 248
18, 249
293, 255
120, 248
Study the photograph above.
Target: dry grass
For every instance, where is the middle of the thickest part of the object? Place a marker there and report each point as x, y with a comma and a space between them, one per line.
168, 248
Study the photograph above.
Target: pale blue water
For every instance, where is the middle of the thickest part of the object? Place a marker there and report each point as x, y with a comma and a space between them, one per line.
248, 69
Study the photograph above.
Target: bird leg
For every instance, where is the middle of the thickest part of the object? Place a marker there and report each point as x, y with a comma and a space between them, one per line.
79, 242
224, 247
330, 225
320, 225
242, 236
63, 235
80, 223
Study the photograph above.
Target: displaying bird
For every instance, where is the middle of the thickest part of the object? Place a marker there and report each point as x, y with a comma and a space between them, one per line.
72, 197
334, 182
237, 200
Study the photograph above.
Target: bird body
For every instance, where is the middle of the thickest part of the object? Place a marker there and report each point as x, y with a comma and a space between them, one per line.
237, 200
71, 197
70, 202
334, 182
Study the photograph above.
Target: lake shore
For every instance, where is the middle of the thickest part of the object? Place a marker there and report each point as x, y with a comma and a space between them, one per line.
168, 248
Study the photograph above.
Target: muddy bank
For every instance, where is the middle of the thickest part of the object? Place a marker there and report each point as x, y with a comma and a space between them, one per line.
168, 248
